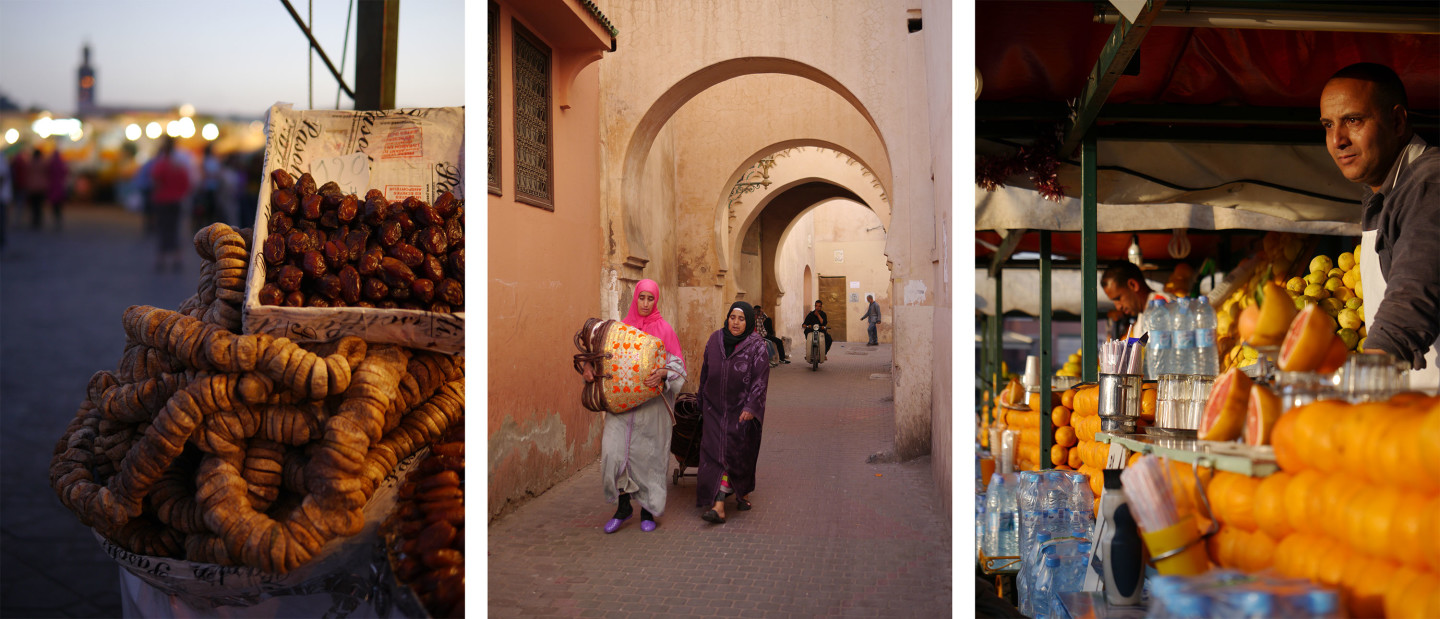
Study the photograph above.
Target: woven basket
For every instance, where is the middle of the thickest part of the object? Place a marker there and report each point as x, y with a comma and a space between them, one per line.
619, 358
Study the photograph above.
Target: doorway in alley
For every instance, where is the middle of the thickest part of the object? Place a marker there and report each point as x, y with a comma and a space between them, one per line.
832, 292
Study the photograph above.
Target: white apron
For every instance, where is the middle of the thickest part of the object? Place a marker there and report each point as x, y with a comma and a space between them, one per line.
1373, 282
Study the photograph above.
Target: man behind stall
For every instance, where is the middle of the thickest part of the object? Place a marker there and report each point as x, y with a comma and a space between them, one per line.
1124, 284
1367, 132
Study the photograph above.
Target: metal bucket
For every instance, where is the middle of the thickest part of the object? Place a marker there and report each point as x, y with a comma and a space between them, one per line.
1120, 395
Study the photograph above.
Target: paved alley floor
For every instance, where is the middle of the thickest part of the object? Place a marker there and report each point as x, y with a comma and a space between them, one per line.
62, 293
830, 534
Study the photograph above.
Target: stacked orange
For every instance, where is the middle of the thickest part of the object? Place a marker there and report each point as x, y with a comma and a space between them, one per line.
1088, 454
1028, 422
1355, 506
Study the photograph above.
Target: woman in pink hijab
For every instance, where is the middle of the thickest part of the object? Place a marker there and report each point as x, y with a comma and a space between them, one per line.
635, 447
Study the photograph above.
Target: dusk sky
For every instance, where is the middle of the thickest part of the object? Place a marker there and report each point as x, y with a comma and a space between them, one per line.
224, 57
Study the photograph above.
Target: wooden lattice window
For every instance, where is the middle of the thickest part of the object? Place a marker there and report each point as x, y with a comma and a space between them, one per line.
491, 88
534, 165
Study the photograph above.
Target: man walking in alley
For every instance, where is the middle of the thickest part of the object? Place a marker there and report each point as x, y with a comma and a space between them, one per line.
872, 316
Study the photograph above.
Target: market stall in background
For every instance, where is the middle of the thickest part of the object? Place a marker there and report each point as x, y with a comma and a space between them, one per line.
1267, 467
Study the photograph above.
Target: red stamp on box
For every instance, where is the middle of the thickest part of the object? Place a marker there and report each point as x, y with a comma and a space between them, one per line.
403, 143
396, 193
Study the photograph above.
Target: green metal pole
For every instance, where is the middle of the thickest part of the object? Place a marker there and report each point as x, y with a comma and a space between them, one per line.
1090, 346
1047, 432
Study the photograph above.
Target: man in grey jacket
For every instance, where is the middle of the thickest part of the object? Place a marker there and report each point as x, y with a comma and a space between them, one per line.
872, 315
1367, 131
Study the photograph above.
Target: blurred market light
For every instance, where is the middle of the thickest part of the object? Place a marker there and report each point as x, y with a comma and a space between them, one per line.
77, 133
12, 136
210, 132
152, 130
187, 110
172, 128
46, 127
186, 127
133, 132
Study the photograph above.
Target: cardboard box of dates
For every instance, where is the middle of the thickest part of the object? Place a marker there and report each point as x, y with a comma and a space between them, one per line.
359, 228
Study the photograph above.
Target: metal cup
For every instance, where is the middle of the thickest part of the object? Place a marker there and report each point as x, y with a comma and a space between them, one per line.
1120, 395
1171, 401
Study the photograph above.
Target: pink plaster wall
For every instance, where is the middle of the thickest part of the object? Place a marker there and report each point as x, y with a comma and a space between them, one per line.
544, 273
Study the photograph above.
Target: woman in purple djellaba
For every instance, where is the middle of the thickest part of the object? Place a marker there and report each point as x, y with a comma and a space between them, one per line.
733, 382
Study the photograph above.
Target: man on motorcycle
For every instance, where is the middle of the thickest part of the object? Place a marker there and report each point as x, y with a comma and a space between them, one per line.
818, 317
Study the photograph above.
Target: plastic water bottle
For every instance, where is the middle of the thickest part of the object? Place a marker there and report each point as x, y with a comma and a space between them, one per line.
991, 546
1028, 493
1252, 604
980, 522
1082, 566
1044, 586
1028, 578
1188, 605
1081, 504
1157, 347
1206, 339
1323, 604
1009, 533
1183, 338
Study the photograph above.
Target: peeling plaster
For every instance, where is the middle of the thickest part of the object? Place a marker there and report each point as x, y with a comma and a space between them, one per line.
610, 291
547, 437
915, 292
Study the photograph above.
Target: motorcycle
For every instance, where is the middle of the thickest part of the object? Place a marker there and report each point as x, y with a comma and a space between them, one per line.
815, 347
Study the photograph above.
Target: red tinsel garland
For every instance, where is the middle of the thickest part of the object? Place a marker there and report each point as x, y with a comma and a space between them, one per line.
1037, 159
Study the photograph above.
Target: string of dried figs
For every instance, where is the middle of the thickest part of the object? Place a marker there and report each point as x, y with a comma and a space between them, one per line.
425, 536
327, 248
233, 449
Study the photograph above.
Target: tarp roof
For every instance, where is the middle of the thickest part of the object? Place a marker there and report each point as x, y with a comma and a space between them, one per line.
1219, 126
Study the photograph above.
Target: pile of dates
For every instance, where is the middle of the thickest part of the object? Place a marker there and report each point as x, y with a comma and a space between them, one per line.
326, 248
425, 536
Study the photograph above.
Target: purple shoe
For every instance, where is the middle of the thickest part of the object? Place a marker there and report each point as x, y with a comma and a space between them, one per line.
614, 524
648, 525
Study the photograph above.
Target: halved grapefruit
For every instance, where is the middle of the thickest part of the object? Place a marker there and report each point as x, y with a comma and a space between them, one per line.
1276, 313
1261, 413
1308, 341
1224, 416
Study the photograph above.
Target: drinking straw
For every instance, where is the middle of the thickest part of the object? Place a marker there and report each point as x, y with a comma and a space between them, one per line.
1151, 497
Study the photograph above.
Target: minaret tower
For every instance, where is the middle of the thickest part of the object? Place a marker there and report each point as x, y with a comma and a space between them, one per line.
85, 97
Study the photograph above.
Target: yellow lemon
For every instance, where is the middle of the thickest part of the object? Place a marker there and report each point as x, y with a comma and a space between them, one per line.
1317, 291
1335, 272
1295, 285
1349, 319
1345, 261
1343, 293
1321, 264
1350, 337
1332, 284
1316, 278
1356, 303
1360, 345
1349, 279
1359, 290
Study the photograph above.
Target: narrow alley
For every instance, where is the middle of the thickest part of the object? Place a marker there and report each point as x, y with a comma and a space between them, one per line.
830, 534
